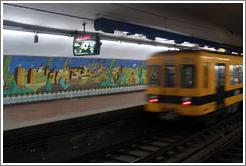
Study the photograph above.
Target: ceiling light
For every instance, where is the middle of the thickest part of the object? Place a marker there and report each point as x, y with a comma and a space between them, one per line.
221, 50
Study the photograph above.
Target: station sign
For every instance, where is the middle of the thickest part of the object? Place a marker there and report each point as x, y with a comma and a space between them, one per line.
88, 44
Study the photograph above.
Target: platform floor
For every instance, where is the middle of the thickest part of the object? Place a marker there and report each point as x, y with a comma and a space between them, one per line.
23, 115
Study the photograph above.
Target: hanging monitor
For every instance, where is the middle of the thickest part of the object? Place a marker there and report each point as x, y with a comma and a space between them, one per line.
86, 45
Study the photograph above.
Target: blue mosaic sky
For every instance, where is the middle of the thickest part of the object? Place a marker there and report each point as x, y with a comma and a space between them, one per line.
35, 62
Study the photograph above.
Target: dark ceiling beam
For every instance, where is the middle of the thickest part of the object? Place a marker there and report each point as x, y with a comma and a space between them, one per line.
109, 26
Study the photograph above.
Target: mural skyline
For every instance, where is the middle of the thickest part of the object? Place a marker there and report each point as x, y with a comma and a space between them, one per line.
58, 62
26, 74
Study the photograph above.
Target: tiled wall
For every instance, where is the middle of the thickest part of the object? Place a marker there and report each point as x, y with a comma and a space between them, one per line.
29, 79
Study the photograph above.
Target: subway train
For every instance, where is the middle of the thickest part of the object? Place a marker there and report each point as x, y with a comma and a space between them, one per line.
194, 83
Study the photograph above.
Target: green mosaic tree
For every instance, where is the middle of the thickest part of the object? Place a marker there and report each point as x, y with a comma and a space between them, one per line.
48, 85
13, 87
48, 63
120, 77
6, 66
111, 68
108, 82
124, 81
141, 80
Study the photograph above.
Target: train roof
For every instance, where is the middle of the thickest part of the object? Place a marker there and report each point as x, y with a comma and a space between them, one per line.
166, 53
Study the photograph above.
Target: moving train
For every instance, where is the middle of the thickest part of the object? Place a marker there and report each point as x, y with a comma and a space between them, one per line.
194, 83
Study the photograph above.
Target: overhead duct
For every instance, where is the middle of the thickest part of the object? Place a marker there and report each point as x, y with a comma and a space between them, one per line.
110, 26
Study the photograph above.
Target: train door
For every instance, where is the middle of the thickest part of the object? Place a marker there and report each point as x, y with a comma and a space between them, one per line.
220, 84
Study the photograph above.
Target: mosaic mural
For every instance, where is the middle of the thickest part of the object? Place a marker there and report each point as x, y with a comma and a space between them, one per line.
27, 75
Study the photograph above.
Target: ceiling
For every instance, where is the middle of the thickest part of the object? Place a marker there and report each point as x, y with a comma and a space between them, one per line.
221, 22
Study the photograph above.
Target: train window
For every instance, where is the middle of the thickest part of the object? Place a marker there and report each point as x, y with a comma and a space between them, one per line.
236, 74
153, 75
220, 75
169, 75
205, 75
187, 76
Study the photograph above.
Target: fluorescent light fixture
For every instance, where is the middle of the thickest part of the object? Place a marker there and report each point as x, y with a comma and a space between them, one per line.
169, 42
138, 35
52, 35
162, 47
111, 41
16, 32
221, 50
121, 33
157, 39
124, 32
207, 48
171, 48
188, 44
130, 43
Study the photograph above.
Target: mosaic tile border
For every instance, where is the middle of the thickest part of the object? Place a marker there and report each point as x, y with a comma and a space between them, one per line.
23, 98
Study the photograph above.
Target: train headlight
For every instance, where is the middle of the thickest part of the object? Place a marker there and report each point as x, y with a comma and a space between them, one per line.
153, 99
186, 100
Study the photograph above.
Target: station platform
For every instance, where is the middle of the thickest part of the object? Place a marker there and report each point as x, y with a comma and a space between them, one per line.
24, 115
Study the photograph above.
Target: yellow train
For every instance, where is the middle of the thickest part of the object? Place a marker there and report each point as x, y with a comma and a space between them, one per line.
194, 83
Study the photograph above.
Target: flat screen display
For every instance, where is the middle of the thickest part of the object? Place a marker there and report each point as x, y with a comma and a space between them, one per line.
86, 45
